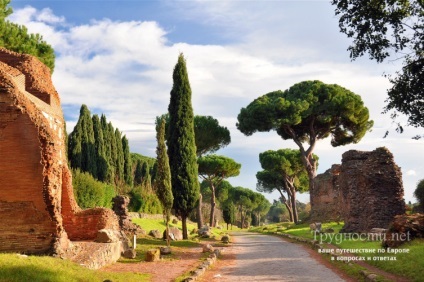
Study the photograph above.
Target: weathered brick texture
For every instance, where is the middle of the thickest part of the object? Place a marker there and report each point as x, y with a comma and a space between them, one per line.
38, 212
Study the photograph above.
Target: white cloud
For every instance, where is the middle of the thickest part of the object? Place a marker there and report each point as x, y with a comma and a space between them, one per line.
124, 69
411, 172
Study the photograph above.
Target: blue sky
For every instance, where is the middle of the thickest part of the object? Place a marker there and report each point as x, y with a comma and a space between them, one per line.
117, 58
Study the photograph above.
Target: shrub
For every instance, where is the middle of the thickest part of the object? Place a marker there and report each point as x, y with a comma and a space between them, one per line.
90, 193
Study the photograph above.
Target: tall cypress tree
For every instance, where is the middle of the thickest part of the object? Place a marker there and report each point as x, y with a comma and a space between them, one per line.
81, 150
110, 175
138, 174
128, 176
119, 158
181, 145
102, 165
163, 177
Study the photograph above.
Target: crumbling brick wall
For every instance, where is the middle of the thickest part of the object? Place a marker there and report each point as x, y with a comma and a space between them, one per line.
325, 196
38, 212
372, 190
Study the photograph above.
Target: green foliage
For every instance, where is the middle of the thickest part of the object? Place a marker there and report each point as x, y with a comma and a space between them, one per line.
217, 168
210, 136
214, 169
277, 212
163, 185
279, 166
82, 151
136, 201
419, 193
307, 111
96, 147
181, 145
229, 213
89, 192
285, 173
128, 174
16, 38
383, 29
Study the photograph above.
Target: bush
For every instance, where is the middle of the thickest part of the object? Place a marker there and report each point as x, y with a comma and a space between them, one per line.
90, 193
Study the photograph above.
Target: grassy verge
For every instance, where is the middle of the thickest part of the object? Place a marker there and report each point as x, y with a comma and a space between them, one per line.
409, 263
18, 268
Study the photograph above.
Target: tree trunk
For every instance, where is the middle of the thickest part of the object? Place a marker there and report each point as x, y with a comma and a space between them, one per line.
287, 204
199, 213
213, 204
184, 225
293, 203
168, 239
227, 226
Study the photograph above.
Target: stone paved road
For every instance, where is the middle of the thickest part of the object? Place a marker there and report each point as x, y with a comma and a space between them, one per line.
268, 258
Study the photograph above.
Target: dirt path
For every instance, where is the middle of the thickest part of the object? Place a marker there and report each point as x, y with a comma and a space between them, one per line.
268, 258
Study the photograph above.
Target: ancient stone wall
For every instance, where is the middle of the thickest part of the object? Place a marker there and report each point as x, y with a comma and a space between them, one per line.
38, 212
325, 197
372, 190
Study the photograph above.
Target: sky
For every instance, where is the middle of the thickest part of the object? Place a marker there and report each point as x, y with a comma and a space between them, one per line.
117, 58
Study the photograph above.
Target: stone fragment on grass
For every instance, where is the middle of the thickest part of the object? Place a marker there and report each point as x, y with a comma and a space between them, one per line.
153, 255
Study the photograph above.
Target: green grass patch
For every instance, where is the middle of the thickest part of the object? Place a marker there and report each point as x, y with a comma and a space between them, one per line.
18, 268
159, 224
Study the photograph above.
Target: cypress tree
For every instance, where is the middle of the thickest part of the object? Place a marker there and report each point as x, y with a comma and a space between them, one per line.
82, 153
110, 175
127, 162
102, 165
113, 152
163, 176
119, 158
138, 174
181, 145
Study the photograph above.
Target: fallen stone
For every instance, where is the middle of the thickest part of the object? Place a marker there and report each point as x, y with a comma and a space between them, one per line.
130, 254
165, 250
106, 236
174, 233
155, 234
225, 239
153, 255
208, 248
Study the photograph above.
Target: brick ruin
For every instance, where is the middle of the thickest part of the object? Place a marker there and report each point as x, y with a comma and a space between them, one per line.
366, 191
325, 197
38, 212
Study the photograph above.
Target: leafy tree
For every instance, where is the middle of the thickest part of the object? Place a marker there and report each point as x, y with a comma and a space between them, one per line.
163, 177
284, 172
382, 29
16, 38
181, 145
276, 212
307, 112
261, 208
214, 169
210, 136
419, 193
5, 9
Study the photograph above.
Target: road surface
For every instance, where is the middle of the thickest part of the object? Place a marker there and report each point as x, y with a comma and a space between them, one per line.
268, 258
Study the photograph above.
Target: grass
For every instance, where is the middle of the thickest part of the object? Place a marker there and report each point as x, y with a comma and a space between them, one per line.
18, 268
410, 265
159, 224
